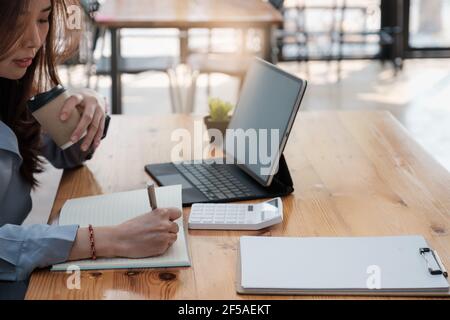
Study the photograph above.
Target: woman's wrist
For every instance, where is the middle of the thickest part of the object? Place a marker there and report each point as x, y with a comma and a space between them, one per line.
106, 244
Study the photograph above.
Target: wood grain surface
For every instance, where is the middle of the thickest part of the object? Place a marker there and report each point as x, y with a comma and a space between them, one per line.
355, 174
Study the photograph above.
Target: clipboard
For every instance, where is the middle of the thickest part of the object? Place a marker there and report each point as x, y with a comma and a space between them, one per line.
300, 273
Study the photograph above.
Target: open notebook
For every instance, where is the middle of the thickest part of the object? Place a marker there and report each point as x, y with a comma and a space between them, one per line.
116, 208
344, 266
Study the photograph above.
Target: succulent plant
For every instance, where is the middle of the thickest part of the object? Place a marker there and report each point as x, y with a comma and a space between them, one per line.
219, 109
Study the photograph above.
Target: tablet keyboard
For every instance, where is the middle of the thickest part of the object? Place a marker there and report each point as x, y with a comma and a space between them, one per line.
213, 180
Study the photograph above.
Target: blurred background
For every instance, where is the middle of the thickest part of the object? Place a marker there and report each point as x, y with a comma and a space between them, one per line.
356, 54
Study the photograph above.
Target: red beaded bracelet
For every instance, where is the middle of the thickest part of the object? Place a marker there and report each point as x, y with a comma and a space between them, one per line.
92, 241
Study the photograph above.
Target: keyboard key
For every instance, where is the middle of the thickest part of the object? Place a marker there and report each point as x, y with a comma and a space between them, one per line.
220, 195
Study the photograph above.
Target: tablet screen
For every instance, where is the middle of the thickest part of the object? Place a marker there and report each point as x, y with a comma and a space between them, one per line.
258, 130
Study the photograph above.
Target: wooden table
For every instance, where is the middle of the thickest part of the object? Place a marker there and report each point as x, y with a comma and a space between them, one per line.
183, 15
355, 174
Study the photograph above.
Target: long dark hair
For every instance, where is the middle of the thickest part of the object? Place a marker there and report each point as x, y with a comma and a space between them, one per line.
60, 44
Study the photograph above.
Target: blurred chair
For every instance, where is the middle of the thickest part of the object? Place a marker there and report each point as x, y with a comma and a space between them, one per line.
296, 42
345, 39
231, 64
293, 31
127, 65
234, 64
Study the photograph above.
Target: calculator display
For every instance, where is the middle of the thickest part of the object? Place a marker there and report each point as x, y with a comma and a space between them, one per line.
271, 205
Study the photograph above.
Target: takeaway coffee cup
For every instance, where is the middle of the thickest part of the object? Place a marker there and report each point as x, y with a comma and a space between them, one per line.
46, 109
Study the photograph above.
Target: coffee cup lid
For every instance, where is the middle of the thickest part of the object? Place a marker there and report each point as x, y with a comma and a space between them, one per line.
40, 100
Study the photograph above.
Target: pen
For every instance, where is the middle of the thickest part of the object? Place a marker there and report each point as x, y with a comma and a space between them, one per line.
152, 195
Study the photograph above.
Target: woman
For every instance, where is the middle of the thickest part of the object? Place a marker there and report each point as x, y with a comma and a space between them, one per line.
31, 33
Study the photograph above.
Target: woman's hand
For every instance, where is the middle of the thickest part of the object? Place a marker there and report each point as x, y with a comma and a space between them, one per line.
93, 114
145, 236
148, 235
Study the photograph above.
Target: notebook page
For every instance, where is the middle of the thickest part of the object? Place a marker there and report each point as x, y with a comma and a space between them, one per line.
116, 208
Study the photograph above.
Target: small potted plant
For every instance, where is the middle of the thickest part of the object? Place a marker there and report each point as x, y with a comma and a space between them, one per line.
218, 117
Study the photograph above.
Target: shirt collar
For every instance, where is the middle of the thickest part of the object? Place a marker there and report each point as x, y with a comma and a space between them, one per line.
8, 140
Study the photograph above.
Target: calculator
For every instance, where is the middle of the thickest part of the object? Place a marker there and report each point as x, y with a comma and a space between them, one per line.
226, 216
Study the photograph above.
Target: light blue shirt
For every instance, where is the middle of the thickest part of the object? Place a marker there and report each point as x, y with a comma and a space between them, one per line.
25, 248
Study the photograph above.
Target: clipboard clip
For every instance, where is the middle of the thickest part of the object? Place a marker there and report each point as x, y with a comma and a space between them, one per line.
424, 252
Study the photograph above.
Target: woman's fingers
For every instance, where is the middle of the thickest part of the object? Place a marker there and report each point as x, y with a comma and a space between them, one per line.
93, 129
174, 214
87, 117
174, 228
173, 237
69, 105
92, 120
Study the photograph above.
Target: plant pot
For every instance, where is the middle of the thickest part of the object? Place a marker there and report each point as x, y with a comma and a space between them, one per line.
219, 125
